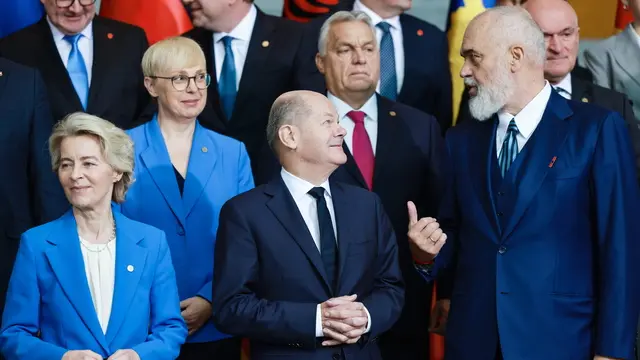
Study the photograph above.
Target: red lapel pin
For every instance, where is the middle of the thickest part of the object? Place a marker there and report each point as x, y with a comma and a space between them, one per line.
553, 161
109, 36
420, 32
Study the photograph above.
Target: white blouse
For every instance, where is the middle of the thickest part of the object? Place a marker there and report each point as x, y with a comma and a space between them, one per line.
100, 265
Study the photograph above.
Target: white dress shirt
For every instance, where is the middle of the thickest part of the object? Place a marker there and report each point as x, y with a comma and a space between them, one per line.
527, 119
100, 266
396, 35
85, 45
370, 108
306, 203
241, 35
565, 85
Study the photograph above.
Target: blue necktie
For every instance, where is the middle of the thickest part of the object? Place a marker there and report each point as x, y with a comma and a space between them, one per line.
78, 70
328, 246
509, 148
388, 79
227, 85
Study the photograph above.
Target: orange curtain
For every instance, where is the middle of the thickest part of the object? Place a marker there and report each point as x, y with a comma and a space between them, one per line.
623, 16
160, 19
436, 342
305, 10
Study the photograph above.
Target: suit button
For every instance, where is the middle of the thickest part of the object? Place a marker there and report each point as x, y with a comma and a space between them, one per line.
500, 193
500, 213
180, 230
502, 249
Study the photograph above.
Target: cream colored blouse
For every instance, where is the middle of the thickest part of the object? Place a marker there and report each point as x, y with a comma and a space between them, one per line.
100, 265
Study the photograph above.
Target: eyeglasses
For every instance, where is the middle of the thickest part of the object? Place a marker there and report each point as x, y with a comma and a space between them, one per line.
68, 3
181, 82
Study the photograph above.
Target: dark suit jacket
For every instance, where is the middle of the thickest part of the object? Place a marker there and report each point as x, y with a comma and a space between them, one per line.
546, 257
269, 277
427, 77
272, 68
408, 166
117, 91
30, 194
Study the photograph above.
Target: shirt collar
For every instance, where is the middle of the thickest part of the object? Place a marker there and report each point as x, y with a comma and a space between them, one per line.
375, 18
565, 84
59, 35
370, 108
243, 30
528, 118
299, 187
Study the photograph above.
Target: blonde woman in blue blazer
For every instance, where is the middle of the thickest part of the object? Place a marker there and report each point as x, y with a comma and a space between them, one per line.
184, 174
92, 284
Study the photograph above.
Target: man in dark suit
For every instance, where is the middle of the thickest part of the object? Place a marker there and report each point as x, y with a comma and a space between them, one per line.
414, 61
539, 217
263, 63
306, 267
88, 63
30, 194
393, 150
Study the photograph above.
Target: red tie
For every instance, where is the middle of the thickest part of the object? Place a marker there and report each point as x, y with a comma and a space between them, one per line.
362, 150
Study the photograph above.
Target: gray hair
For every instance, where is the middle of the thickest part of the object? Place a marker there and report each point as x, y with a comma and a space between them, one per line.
116, 146
340, 17
284, 111
512, 25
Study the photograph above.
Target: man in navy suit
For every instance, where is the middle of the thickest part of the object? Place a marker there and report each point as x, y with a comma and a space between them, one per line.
305, 267
414, 61
30, 194
540, 218
393, 150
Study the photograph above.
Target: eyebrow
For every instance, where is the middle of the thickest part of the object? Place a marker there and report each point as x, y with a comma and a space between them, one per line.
82, 158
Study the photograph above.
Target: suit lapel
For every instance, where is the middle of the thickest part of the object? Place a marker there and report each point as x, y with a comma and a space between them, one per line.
65, 258
627, 54
388, 135
345, 232
480, 155
156, 159
130, 264
285, 210
545, 143
411, 44
580, 90
202, 160
103, 50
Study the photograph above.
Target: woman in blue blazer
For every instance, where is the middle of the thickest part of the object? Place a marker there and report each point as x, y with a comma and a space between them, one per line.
92, 284
184, 174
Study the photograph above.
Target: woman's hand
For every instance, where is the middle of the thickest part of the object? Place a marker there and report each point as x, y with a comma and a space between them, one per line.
81, 355
124, 355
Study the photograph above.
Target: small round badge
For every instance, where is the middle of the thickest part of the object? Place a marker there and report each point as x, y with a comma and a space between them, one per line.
130, 268
265, 44
204, 149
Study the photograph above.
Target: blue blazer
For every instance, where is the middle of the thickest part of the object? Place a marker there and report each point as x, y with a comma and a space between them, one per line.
219, 168
49, 308
546, 259
269, 275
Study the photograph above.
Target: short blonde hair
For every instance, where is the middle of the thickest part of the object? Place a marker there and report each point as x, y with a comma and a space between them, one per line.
172, 53
116, 146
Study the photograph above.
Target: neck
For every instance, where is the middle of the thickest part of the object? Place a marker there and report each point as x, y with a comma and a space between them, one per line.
313, 173
522, 97
233, 18
355, 100
379, 8
172, 127
92, 223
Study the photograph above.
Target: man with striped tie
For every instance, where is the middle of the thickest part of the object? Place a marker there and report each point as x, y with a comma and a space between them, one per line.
539, 219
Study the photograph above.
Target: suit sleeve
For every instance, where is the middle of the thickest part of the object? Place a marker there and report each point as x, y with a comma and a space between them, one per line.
386, 300
596, 61
49, 201
19, 335
167, 330
245, 183
444, 101
634, 131
617, 200
237, 310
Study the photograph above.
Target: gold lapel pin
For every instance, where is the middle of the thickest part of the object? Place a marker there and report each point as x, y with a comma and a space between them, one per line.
392, 113
585, 100
265, 44
204, 149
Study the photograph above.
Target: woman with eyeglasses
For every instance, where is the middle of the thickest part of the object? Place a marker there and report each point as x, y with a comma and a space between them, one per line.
184, 174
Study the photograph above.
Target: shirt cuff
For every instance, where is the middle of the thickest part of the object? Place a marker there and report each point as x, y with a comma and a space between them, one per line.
319, 332
368, 320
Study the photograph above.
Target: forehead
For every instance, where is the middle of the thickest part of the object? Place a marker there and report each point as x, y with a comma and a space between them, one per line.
80, 145
475, 39
351, 32
552, 20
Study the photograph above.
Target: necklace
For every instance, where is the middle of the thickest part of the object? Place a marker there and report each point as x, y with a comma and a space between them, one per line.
111, 238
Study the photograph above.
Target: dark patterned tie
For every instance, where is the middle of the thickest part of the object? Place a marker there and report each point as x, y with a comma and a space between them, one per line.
509, 148
328, 246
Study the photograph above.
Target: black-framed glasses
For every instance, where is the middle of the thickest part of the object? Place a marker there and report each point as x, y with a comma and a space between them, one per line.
181, 82
68, 3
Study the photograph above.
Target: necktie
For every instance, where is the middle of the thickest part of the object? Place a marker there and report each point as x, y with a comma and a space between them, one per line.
78, 70
509, 148
328, 246
362, 149
388, 79
564, 93
227, 85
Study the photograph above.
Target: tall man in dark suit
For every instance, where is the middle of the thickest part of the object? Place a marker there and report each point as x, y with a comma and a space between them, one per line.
539, 218
414, 56
29, 191
253, 58
88, 63
392, 149
306, 267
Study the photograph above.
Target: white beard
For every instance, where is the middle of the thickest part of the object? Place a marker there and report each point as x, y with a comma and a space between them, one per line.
492, 97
